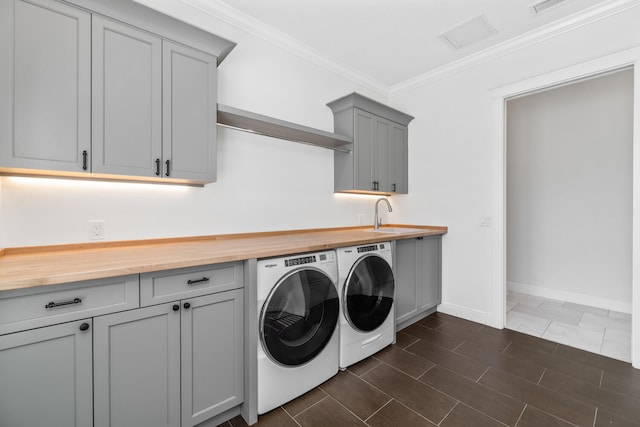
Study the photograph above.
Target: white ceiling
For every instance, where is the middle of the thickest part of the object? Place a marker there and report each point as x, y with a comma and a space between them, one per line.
392, 42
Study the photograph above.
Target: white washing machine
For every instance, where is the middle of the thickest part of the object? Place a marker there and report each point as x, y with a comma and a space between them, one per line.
367, 289
298, 313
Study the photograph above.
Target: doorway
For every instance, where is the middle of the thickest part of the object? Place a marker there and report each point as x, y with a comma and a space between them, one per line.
628, 58
569, 178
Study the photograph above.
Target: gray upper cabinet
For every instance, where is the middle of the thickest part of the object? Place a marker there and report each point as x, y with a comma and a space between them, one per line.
189, 113
112, 88
46, 376
127, 99
378, 159
45, 85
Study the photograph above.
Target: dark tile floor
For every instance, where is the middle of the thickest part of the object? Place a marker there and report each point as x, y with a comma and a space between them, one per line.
445, 371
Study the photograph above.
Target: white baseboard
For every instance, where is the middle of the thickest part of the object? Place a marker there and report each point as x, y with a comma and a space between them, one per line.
574, 297
466, 313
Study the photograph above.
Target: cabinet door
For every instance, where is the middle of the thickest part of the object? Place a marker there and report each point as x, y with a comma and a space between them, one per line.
406, 277
137, 368
212, 355
189, 113
430, 265
127, 85
364, 150
45, 85
46, 377
381, 158
398, 159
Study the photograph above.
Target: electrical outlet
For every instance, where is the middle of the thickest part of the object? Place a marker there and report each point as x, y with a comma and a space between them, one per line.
361, 218
96, 230
485, 221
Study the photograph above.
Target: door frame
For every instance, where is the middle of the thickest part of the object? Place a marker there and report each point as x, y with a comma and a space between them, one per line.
626, 58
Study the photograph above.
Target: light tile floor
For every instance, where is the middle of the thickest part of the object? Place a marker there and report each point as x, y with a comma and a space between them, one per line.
593, 329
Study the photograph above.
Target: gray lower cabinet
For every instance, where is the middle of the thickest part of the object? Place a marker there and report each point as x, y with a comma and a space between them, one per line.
45, 85
417, 270
172, 364
46, 376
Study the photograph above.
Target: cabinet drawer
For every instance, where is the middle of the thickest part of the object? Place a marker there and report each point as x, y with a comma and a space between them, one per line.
36, 307
171, 285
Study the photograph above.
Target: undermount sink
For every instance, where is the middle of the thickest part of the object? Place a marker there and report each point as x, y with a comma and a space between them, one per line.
396, 230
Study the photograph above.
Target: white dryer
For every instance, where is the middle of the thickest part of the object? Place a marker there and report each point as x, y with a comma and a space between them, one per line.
298, 312
366, 287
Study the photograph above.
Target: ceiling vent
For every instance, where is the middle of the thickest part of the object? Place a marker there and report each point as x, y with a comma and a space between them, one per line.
468, 32
544, 5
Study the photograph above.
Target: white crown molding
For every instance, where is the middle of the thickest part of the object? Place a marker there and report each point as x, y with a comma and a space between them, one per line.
222, 11
575, 21
232, 16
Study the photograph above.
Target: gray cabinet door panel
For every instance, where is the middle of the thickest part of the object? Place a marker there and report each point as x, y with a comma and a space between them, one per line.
417, 271
381, 160
431, 272
45, 85
45, 377
127, 85
398, 164
189, 113
212, 356
364, 152
406, 278
137, 368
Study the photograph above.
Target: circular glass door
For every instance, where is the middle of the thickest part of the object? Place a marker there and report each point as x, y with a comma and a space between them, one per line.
299, 317
368, 293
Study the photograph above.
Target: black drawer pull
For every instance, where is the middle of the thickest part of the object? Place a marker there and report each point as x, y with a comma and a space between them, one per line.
59, 304
193, 282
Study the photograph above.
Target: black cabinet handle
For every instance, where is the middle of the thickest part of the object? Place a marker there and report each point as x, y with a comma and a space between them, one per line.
168, 163
193, 282
187, 305
157, 167
394, 187
84, 160
59, 304
84, 326
375, 186
175, 307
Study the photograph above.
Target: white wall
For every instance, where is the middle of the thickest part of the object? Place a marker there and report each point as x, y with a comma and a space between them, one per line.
569, 192
451, 163
263, 183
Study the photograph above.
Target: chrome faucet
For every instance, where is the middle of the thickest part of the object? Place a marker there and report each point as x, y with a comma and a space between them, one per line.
376, 219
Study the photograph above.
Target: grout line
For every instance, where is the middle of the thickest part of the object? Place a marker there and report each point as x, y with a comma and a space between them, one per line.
521, 413
507, 347
305, 409
601, 377
541, 376
483, 374
447, 414
378, 410
595, 417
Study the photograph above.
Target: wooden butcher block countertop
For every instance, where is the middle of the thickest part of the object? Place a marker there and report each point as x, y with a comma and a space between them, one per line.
49, 265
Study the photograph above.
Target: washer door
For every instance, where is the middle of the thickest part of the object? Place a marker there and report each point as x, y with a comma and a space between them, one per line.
299, 317
368, 293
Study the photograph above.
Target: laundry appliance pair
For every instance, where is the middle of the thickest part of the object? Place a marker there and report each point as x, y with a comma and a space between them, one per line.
318, 313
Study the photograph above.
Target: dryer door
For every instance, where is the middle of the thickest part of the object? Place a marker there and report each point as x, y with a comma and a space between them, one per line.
299, 317
368, 293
